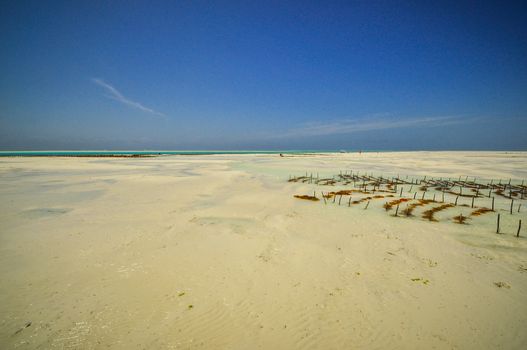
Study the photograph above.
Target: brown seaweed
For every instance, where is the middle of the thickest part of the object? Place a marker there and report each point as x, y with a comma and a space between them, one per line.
480, 211
309, 198
389, 205
460, 219
429, 214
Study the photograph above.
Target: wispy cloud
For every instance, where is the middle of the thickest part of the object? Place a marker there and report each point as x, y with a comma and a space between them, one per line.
348, 126
114, 94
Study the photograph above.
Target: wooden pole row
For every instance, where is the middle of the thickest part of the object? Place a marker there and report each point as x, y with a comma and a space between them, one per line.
498, 226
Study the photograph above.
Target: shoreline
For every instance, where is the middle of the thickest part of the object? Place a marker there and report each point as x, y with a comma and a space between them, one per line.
284, 154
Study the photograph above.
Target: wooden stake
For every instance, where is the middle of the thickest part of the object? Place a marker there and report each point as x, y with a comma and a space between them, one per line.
340, 199
397, 210
366, 207
512, 203
519, 228
415, 194
401, 194
456, 200
324, 197
498, 225
349, 202
472, 205
443, 197
423, 195
434, 199
519, 206
492, 203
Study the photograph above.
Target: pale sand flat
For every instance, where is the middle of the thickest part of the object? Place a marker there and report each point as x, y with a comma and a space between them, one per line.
214, 252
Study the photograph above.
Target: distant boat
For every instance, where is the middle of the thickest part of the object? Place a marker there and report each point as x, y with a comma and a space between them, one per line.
343, 151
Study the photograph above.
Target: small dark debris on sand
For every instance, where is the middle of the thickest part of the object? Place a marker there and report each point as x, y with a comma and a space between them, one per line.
502, 285
25, 326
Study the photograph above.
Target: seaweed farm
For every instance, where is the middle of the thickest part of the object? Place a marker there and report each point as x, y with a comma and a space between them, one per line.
421, 197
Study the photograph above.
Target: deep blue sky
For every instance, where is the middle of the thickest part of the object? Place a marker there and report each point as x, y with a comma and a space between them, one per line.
284, 74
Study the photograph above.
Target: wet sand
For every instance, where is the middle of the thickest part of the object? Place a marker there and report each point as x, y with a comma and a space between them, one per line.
214, 252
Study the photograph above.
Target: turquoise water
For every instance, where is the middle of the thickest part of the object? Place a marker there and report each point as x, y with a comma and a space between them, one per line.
102, 153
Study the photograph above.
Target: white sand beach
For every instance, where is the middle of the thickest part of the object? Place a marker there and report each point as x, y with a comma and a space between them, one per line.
214, 252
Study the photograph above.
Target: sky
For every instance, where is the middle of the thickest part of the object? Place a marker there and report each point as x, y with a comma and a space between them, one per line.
232, 75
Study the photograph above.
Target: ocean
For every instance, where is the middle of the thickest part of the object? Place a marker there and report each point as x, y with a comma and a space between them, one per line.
145, 153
